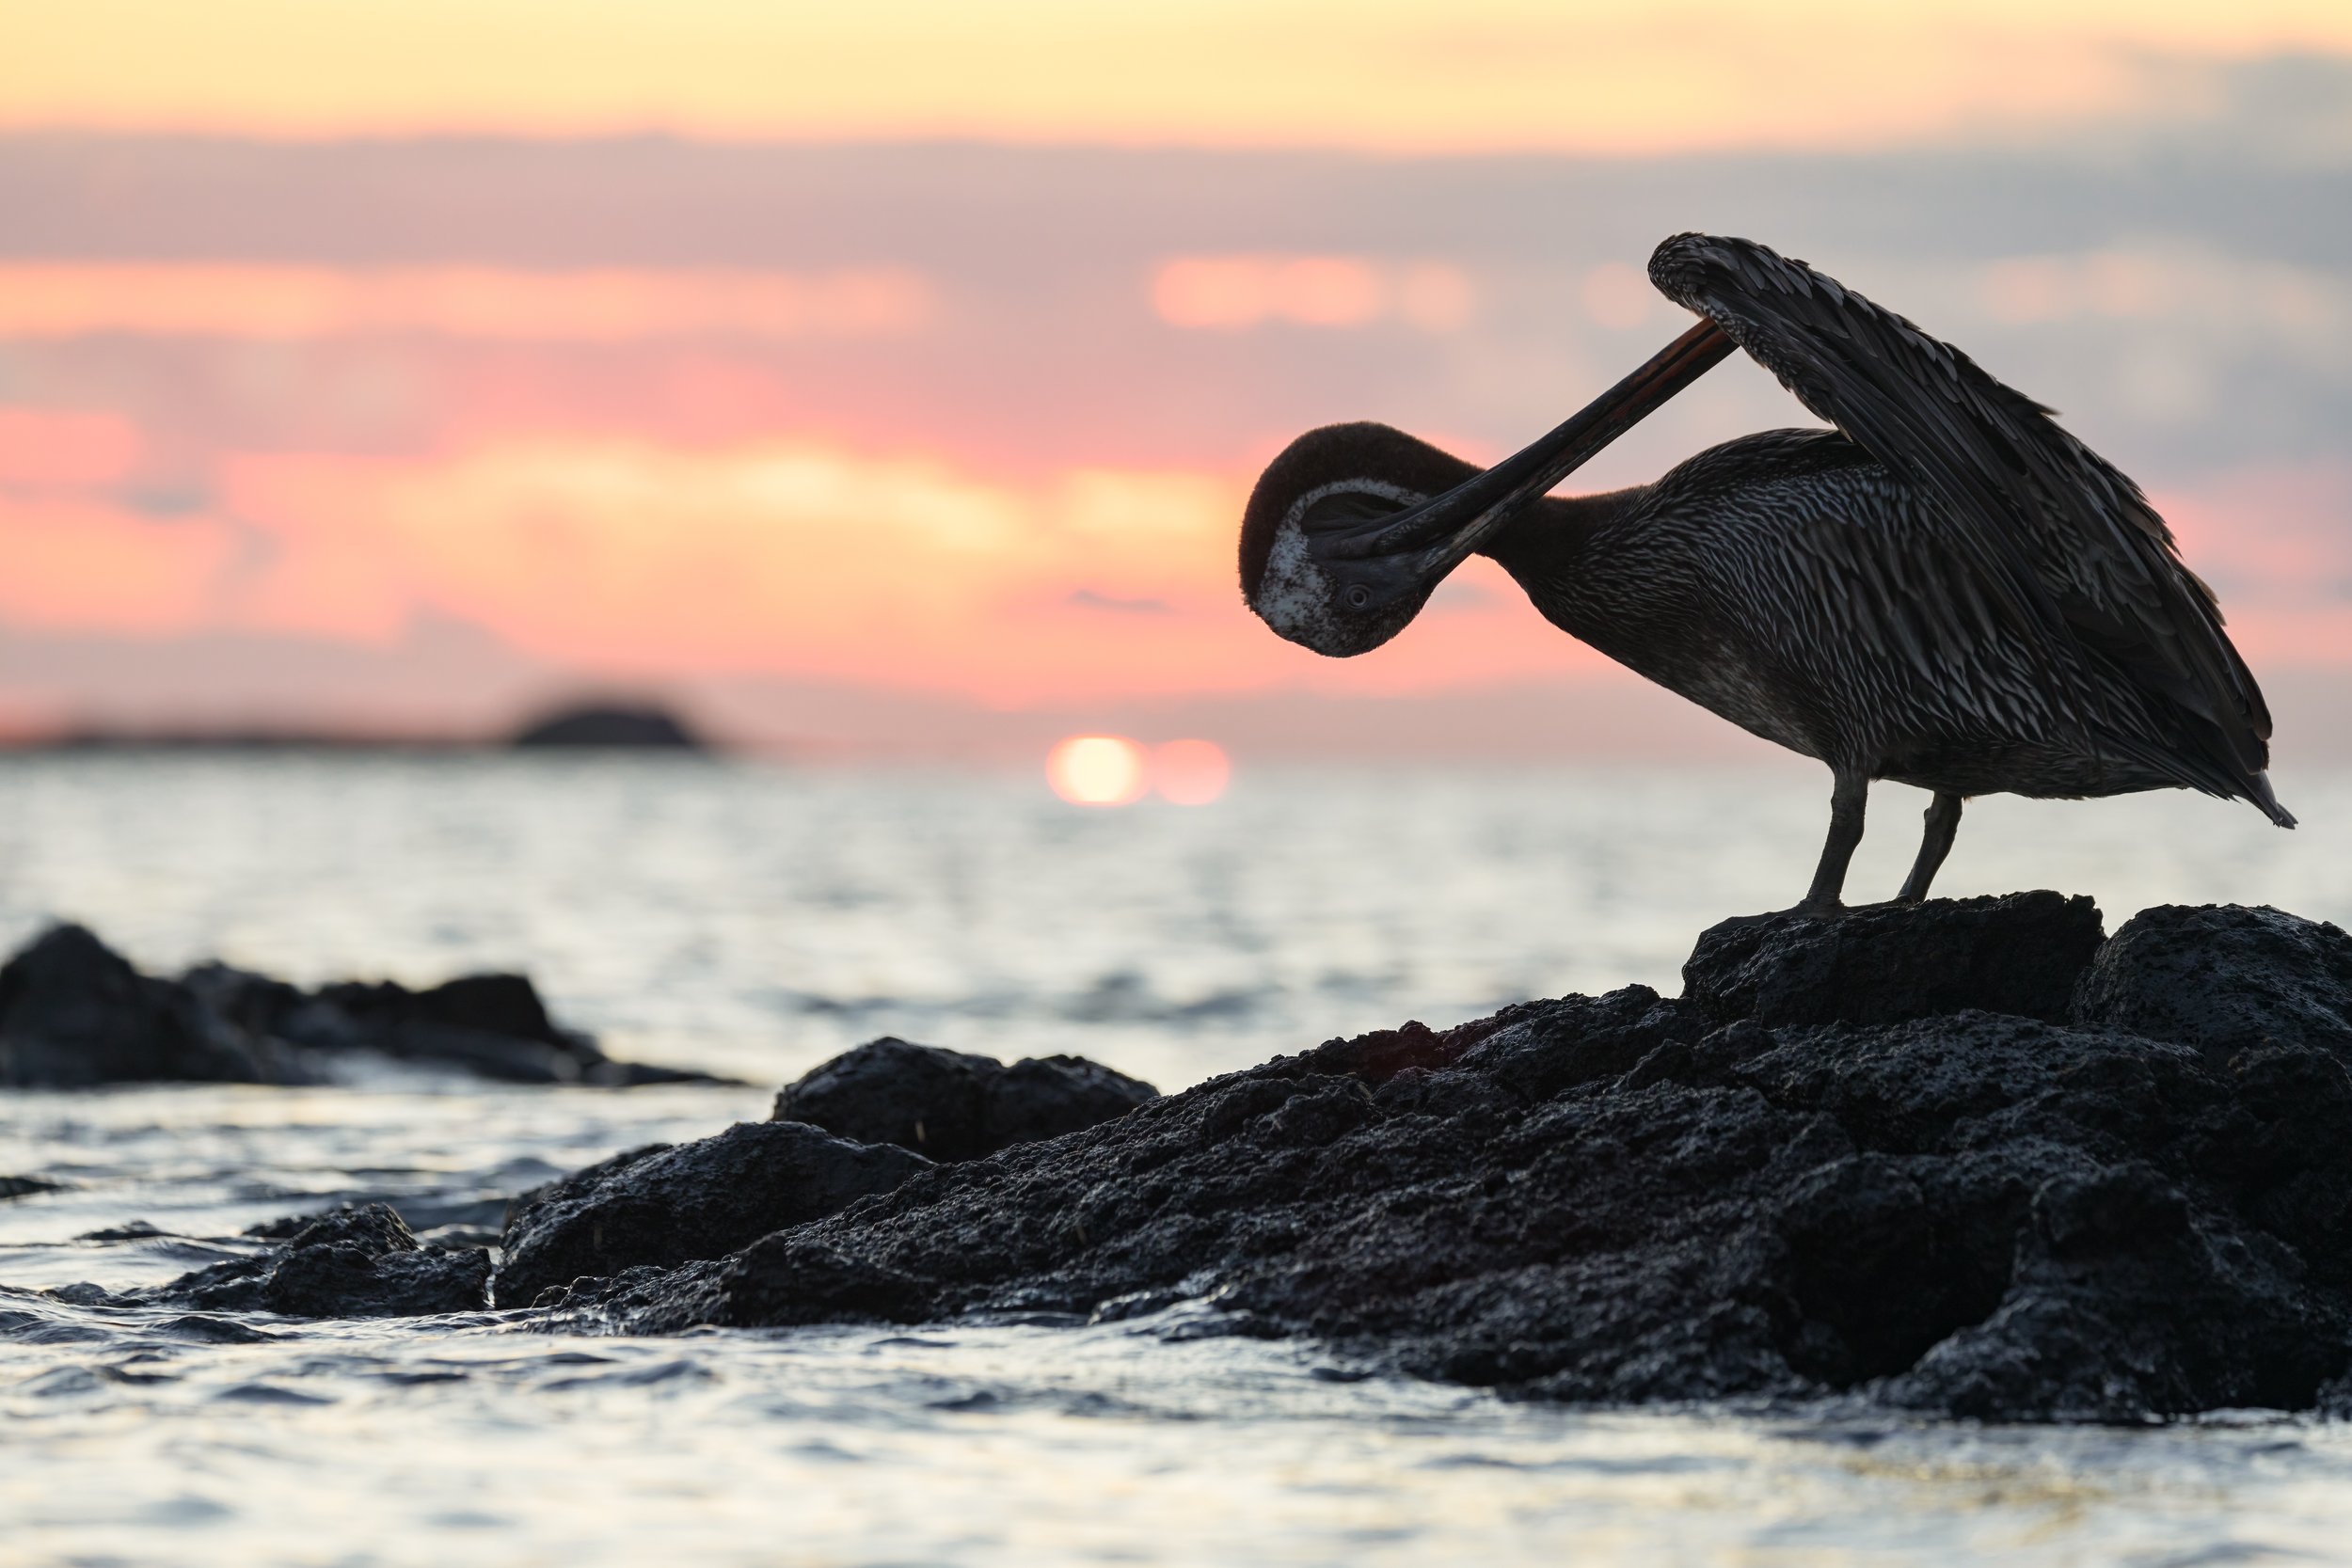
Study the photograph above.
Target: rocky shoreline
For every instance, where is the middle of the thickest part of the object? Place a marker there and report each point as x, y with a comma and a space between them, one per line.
1968, 1159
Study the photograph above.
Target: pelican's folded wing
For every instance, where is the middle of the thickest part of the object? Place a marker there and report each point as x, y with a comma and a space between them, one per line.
2070, 551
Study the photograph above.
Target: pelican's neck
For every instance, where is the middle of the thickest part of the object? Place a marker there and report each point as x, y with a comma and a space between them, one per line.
1579, 558
1550, 541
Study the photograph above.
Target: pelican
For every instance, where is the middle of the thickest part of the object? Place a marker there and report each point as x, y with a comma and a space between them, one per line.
1947, 589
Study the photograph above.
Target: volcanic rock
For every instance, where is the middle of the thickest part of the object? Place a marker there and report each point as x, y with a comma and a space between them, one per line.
1971, 1211
2224, 979
664, 1204
952, 1105
857, 1125
353, 1262
74, 1013
1888, 964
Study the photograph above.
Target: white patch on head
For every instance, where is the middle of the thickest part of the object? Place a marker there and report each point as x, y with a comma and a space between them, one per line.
1296, 596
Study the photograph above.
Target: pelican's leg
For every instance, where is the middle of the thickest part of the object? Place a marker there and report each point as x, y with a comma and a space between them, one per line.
1846, 798
1943, 822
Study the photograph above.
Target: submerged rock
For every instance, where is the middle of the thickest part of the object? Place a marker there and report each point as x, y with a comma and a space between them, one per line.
952, 1105
73, 1013
361, 1262
1892, 1162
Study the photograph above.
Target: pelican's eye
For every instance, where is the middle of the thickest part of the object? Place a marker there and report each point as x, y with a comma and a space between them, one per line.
1358, 596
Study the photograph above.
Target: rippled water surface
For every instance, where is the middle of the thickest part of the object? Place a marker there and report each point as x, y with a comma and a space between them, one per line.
756, 920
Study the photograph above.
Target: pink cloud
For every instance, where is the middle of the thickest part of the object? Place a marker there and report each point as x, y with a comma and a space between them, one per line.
2276, 543
38, 448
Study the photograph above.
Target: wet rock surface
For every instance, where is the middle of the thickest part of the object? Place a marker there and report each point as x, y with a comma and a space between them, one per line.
74, 1014
354, 1262
1997, 1171
853, 1127
953, 1105
665, 1203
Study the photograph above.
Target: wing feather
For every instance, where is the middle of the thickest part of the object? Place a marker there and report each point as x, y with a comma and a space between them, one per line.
2067, 553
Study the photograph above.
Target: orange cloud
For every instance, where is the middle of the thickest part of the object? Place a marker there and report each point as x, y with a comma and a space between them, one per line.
79, 565
1228, 292
588, 306
814, 561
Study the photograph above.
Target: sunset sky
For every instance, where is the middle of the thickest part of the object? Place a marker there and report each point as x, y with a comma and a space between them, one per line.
1398, 75
859, 373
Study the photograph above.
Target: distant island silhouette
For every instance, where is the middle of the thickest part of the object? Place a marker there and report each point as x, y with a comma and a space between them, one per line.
610, 726
588, 724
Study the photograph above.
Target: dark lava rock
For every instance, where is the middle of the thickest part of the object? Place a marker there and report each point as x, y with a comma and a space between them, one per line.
2224, 979
493, 1025
667, 1205
610, 726
25, 1186
360, 1262
1628, 1198
1887, 963
858, 1125
432, 1216
952, 1105
74, 1013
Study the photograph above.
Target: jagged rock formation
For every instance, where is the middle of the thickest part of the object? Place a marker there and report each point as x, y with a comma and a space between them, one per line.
74, 1013
1962, 1159
1881, 1188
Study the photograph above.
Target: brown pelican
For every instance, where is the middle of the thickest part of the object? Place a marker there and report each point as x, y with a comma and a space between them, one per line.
1947, 590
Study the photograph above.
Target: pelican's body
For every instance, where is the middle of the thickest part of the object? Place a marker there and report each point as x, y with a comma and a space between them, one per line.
1745, 577
1970, 602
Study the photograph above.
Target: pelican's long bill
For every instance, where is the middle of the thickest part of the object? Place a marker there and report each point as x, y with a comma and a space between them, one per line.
1352, 527
1431, 539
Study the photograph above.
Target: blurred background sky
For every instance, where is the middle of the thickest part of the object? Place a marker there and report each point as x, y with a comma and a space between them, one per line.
888, 379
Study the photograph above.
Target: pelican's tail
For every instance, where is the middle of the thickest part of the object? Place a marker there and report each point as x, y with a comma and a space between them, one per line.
2260, 794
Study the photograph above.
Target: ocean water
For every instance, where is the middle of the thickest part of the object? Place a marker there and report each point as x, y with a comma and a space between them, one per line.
757, 919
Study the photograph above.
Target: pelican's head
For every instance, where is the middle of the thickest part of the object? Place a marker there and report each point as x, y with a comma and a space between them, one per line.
1342, 481
1354, 526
